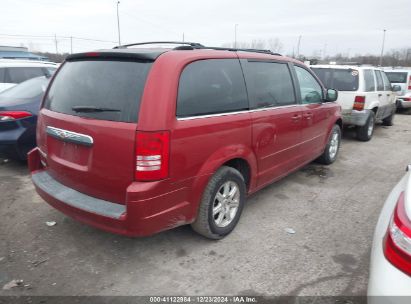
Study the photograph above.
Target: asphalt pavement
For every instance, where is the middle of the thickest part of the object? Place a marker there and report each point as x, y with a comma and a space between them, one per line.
332, 210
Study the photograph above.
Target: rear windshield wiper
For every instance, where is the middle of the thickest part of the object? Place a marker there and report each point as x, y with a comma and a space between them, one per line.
89, 109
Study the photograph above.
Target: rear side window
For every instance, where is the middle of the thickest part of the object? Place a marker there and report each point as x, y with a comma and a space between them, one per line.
211, 86
112, 88
387, 84
20, 74
380, 84
339, 79
269, 84
369, 81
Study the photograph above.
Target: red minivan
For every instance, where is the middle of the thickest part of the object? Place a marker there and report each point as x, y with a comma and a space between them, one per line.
138, 140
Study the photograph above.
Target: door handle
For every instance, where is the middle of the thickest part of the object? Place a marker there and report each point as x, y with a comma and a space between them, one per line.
296, 117
388, 95
308, 115
379, 95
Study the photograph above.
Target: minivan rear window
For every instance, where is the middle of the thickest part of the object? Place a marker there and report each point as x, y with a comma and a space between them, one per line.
339, 79
397, 77
99, 89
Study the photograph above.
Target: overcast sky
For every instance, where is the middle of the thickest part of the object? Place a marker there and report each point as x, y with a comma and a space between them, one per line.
348, 26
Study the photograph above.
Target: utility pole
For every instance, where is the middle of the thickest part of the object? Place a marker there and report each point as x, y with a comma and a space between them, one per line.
183, 36
382, 47
324, 50
118, 24
406, 57
71, 44
298, 46
235, 35
55, 42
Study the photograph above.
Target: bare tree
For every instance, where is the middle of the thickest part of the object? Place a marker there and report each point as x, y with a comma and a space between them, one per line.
275, 45
393, 57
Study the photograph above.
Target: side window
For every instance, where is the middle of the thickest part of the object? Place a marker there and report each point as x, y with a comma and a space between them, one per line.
2, 75
387, 84
211, 86
380, 84
369, 81
20, 74
311, 90
269, 84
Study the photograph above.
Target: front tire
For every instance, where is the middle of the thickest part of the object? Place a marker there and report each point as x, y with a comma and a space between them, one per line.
333, 146
365, 132
221, 205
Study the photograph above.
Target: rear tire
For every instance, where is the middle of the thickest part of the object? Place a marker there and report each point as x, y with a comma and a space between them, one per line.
226, 191
365, 132
333, 146
389, 121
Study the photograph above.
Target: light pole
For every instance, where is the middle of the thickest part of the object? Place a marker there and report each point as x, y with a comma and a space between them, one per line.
235, 35
298, 46
382, 47
118, 24
56, 42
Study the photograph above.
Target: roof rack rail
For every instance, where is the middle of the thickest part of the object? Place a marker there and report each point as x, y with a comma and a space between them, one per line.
241, 50
192, 44
195, 45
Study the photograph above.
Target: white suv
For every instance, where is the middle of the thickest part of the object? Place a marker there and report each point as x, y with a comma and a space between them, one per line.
401, 77
364, 93
13, 71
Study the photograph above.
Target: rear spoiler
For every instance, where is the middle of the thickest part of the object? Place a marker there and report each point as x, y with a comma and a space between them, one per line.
117, 54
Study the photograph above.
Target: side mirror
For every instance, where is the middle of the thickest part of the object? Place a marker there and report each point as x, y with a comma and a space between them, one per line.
396, 88
332, 95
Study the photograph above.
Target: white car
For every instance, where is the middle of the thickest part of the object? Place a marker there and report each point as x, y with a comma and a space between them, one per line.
13, 72
401, 77
364, 94
390, 269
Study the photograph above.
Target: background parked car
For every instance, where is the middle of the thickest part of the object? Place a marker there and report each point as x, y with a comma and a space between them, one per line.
19, 106
13, 72
211, 127
364, 93
401, 78
390, 270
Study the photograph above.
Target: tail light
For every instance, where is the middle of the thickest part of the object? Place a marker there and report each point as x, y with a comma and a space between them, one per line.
13, 115
397, 244
152, 155
406, 98
359, 102
409, 83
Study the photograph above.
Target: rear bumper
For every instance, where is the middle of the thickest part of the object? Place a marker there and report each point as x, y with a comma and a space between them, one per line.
403, 104
357, 118
385, 279
138, 217
16, 140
